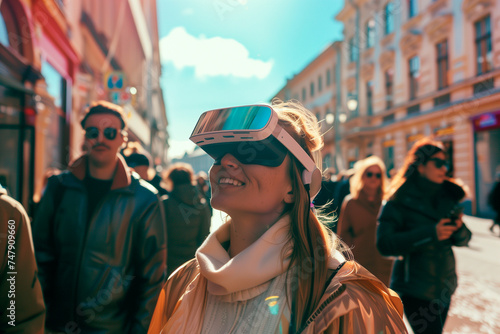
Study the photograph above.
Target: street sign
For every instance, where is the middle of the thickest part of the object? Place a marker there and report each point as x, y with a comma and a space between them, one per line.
115, 81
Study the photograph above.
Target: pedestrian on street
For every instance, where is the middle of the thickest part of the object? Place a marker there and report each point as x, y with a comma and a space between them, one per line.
187, 216
21, 300
139, 160
272, 267
100, 237
494, 202
419, 224
357, 225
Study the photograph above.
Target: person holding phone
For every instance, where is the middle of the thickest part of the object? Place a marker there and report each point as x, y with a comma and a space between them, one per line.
419, 224
273, 267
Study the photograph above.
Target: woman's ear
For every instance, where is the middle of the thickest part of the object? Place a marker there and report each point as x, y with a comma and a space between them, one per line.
289, 197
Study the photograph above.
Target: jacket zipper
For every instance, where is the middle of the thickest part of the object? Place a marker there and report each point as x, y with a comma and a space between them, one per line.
84, 244
320, 309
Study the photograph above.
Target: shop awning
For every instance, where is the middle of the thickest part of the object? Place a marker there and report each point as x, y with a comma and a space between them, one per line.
14, 84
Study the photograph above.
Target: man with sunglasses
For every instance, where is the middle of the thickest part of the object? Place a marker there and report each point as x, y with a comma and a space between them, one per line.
99, 237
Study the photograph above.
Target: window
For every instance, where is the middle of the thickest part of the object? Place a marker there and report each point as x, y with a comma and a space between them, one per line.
56, 148
443, 99
388, 154
388, 89
303, 94
414, 65
353, 50
369, 98
328, 77
389, 18
413, 109
320, 83
4, 34
312, 89
484, 55
442, 64
9, 27
370, 33
483, 86
412, 8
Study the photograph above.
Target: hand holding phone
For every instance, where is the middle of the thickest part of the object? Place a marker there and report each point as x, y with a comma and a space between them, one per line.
445, 228
454, 215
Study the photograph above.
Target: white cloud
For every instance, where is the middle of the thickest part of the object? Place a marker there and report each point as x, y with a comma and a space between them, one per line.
211, 56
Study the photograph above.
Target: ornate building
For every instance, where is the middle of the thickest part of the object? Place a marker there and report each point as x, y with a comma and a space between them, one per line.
315, 87
419, 68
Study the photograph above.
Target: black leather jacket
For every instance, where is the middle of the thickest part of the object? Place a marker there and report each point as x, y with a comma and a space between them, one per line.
425, 268
104, 276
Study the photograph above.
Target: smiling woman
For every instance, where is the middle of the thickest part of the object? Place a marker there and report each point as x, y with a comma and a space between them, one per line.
273, 267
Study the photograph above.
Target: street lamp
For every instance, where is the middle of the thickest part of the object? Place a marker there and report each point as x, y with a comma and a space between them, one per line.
330, 118
342, 117
352, 104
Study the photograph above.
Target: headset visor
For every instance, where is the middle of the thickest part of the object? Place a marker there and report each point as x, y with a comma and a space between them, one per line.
233, 119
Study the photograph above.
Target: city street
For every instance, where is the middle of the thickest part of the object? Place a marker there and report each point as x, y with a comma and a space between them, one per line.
476, 304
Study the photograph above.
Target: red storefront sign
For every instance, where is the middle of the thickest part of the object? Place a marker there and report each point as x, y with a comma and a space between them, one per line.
486, 121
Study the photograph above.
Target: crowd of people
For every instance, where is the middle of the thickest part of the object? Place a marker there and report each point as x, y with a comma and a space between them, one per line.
116, 247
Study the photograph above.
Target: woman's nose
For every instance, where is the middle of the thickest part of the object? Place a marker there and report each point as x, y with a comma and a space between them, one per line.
228, 160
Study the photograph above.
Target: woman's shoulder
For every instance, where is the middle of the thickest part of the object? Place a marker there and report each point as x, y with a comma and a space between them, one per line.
186, 272
454, 190
357, 294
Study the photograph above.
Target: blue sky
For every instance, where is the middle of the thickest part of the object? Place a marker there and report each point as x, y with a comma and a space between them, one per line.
219, 53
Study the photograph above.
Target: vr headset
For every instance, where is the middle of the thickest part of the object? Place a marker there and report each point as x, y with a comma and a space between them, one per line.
253, 136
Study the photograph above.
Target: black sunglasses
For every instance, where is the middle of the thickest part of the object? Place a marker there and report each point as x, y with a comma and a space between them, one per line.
370, 175
92, 133
438, 162
268, 152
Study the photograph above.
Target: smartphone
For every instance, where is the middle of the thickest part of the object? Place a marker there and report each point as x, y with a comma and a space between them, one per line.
454, 214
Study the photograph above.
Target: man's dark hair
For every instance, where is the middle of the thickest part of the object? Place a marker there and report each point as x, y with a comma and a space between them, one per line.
104, 107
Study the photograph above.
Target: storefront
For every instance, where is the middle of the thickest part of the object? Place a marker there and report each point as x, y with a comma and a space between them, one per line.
17, 113
58, 62
487, 160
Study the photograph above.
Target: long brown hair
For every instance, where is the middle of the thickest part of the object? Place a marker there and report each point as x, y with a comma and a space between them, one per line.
310, 241
421, 152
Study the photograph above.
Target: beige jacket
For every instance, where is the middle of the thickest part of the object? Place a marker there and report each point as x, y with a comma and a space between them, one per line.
21, 301
355, 301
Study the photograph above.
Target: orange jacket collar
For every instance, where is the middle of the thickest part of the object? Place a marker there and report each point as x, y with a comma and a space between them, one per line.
122, 177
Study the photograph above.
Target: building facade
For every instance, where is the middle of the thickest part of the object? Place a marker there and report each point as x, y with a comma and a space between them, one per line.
56, 57
315, 87
420, 68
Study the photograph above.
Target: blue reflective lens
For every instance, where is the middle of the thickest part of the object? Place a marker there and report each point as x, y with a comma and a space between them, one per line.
237, 118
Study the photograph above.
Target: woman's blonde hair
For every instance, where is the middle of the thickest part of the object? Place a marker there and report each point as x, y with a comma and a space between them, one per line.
310, 242
360, 167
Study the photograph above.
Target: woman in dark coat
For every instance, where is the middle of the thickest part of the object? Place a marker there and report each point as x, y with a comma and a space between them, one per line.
417, 225
187, 215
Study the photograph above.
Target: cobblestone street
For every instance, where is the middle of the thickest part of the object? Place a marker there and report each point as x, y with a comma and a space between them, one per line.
476, 303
